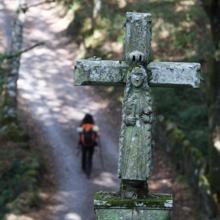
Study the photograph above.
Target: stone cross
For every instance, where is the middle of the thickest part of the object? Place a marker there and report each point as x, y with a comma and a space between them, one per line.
138, 75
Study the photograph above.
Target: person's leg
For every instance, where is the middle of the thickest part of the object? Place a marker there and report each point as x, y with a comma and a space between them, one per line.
83, 159
87, 162
90, 155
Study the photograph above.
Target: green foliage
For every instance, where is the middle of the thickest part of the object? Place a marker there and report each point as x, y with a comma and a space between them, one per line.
19, 179
2, 75
188, 109
191, 162
11, 131
2, 57
173, 39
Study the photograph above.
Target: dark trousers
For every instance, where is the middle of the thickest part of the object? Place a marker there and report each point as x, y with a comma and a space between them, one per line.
87, 154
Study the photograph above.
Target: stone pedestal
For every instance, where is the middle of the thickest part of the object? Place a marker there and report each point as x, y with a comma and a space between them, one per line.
110, 206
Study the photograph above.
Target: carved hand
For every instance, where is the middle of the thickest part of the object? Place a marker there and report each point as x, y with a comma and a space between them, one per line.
146, 118
130, 121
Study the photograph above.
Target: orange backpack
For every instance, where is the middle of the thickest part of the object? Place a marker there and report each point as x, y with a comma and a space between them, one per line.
88, 136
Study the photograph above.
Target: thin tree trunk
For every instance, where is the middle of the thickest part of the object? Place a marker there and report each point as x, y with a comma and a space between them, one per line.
97, 4
10, 105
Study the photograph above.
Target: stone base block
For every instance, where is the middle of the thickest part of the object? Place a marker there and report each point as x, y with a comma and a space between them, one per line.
110, 206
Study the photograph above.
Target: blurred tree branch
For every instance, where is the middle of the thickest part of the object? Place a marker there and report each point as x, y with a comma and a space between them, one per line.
19, 53
40, 3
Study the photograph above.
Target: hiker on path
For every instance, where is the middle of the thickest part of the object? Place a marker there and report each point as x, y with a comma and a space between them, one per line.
88, 134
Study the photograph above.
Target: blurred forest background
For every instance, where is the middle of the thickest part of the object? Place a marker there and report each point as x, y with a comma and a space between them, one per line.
188, 120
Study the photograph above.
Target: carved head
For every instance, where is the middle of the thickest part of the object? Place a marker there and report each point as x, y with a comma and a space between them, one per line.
138, 76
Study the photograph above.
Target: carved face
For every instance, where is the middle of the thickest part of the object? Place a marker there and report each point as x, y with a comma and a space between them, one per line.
137, 79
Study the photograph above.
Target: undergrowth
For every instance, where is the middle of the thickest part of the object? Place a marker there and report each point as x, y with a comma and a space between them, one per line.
20, 166
20, 171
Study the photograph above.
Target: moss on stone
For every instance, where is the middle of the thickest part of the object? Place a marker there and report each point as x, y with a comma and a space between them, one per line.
104, 200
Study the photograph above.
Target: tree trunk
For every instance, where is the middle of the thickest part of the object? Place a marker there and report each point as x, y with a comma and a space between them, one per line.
212, 8
10, 104
96, 10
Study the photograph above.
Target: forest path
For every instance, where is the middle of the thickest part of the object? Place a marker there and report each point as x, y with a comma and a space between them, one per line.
46, 88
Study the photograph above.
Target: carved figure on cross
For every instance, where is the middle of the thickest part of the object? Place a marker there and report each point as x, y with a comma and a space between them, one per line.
138, 75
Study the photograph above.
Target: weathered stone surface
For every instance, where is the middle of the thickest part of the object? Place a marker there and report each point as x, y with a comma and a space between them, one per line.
112, 206
132, 214
174, 74
100, 72
137, 35
135, 139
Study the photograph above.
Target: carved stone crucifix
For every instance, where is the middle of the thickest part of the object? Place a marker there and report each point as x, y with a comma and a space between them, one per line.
138, 75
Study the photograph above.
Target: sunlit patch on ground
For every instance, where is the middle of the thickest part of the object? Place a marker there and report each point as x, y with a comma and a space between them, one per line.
155, 186
17, 217
72, 216
105, 179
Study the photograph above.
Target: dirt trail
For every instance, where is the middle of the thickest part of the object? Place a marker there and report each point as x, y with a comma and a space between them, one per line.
46, 88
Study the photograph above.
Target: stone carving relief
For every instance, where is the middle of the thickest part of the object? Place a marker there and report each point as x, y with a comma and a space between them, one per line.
135, 141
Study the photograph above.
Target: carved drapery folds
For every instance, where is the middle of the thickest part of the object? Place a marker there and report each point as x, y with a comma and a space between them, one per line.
135, 139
